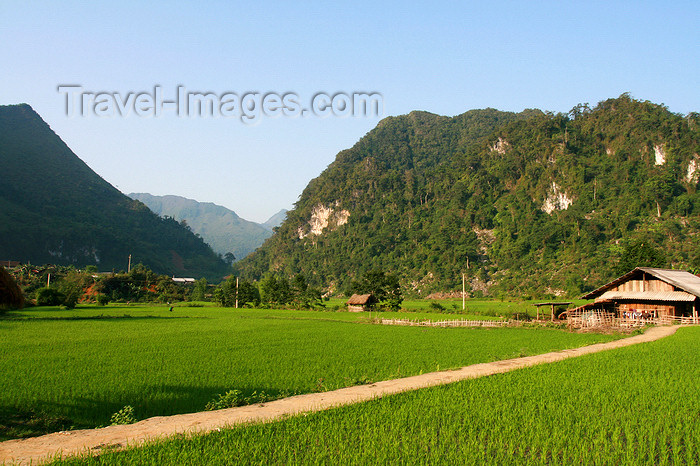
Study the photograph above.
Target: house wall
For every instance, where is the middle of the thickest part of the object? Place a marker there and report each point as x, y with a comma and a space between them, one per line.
651, 284
662, 310
352, 308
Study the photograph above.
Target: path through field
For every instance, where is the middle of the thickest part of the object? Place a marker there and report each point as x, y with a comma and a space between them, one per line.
93, 441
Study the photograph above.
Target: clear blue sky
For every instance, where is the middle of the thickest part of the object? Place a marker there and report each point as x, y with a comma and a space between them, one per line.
442, 57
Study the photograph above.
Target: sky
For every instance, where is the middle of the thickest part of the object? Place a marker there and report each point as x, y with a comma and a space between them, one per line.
442, 57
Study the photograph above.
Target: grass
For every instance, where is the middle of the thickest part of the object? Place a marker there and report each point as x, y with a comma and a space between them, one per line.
65, 369
630, 406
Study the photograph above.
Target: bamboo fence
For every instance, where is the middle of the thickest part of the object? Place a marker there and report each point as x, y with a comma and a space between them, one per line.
445, 323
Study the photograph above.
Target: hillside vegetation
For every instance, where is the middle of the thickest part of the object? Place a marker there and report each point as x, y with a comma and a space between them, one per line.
523, 203
55, 209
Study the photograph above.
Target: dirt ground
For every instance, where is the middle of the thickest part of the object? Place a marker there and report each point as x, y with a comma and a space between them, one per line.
92, 441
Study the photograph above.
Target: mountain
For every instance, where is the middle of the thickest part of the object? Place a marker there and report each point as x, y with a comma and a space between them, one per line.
55, 209
220, 227
521, 203
275, 221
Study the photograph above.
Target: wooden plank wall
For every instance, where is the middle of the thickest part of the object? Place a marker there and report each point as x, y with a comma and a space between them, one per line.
661, 309
652, 284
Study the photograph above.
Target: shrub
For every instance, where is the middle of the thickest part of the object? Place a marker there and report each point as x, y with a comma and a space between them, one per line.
230, 399
437, 306
123, 416
102, 299
70, 301
233, 398
49, 297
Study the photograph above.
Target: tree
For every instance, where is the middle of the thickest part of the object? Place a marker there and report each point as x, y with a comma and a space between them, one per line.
274, 290
229, 258
11, 296
248, 293
73, 286
49, 297
225, 293
385, 288
305, 296
639, 254
199, 290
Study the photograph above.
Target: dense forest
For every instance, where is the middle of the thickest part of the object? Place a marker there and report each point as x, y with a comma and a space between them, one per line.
522, 203
55, 209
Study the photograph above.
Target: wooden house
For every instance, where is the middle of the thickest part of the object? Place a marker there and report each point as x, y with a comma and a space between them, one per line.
361, 302
651, 294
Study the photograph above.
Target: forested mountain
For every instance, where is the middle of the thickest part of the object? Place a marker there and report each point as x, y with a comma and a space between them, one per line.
55, 209
523, 203
220, 227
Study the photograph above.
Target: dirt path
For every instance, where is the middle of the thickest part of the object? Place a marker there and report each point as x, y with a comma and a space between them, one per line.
37, 449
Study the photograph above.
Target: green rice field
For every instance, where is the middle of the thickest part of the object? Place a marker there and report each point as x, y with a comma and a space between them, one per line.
64, 369
630, 406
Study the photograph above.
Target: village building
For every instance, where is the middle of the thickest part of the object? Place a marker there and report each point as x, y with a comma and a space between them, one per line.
644, 295
361, 302
185, 281
552, 306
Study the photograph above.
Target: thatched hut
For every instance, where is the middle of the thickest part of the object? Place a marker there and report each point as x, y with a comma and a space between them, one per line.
361, 302
11, 296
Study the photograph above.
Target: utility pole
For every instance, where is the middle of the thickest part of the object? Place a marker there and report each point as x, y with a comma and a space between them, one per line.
48, 280
464, 304
595, 187
129, 268
236, 292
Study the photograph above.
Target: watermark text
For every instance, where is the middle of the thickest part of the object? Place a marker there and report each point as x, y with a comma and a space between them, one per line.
248, 107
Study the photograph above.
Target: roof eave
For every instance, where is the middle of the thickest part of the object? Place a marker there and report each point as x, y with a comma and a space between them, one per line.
595, 293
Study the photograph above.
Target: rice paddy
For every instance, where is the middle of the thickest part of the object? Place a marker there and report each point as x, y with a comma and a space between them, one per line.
74, 369
635, 405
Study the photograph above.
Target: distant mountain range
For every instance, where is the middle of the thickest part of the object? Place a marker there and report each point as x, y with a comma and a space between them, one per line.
55, 209
220, 227
521, 203
276, 220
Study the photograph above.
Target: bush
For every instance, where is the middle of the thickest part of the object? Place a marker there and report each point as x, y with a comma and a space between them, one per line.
233, 398
437, 306
123, 416
49, 297
70, 301
230, 399
102, 299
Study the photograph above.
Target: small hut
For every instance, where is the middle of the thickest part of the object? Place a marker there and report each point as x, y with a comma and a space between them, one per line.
553, 305
361, 302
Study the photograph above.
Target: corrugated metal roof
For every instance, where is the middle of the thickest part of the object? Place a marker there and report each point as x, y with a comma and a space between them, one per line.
678, 278
646, 296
